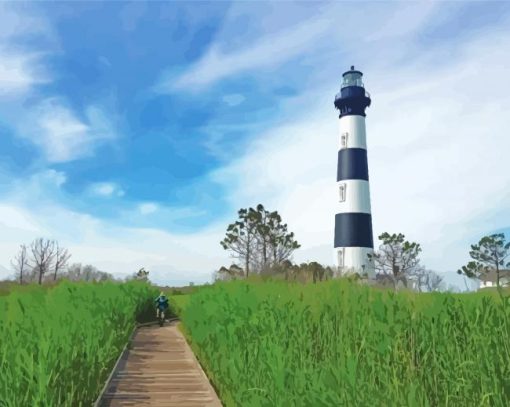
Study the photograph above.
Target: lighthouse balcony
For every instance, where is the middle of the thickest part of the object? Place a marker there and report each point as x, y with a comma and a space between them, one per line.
352, 100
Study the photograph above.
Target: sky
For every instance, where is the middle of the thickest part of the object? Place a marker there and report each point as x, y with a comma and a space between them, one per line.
132, 133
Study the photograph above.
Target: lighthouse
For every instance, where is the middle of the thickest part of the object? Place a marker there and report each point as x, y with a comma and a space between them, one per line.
353, 220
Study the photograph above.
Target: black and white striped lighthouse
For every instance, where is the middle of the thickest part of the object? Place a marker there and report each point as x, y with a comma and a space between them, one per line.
353, 221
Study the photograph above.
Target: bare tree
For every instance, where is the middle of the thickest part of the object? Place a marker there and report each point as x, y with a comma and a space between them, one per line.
226, 274
142, 275
43, 253
434, 281
20, 263
34, 273
396, 257
426, 279
61, 258
73, 272
88, 273
77, 272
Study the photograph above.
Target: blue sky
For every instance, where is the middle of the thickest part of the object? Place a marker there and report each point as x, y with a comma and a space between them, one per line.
133, 132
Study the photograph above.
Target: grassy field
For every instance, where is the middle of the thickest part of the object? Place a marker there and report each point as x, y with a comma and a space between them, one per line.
58, 344
342, 344
178, 303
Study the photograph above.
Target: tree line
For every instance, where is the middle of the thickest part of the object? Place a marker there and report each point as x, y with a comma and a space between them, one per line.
262, 244
45, 260
398, 260
42, 259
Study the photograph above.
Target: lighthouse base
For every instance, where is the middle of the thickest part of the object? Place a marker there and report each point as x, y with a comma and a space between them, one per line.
351, 260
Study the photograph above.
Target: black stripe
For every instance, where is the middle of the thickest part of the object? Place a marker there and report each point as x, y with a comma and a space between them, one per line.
353, 230
352, 164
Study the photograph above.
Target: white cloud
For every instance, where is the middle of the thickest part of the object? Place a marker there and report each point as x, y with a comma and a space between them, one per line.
38, 188
19, 72
147, 208
106, 189
13, 217
60, 134
58, 178
21, 68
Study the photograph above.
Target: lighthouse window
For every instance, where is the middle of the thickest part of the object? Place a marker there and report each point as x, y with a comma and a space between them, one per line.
344, 139
342, 191
340, 258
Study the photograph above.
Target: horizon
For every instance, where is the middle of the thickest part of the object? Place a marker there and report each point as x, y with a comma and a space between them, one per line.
132, 133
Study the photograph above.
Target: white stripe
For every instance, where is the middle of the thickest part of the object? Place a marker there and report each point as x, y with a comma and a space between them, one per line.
357, 196
354, 258
352, 132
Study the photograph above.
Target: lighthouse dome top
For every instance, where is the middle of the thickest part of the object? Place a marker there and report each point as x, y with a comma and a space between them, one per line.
352, 78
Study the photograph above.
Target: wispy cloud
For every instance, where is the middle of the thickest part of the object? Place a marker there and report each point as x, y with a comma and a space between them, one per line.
39, 187
46, 120
21, 67
266, 52
17, 22
404, 20
217, 141
147, 208
106, 189
315, 37
20, 71
15, 218
61, 135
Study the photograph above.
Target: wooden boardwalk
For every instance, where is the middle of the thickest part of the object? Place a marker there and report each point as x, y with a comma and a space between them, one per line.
159, 369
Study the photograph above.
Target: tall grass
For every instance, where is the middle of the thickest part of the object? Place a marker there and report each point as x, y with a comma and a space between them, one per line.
58, 345
342, 344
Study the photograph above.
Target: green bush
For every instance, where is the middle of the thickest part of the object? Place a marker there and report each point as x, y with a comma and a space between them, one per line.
338, 343
178, 303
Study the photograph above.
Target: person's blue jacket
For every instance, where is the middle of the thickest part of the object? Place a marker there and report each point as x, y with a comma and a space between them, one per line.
161, 302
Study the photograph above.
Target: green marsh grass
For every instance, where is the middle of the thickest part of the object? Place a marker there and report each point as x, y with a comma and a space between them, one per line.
58, 345
341, 344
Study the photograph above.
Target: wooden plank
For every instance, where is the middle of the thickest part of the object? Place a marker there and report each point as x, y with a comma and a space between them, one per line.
158, 369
